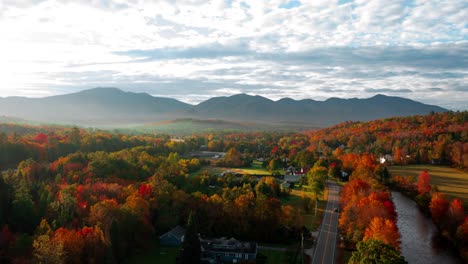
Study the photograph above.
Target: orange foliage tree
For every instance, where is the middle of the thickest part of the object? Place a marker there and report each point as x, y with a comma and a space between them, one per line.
73, 244
356, 216
384, 230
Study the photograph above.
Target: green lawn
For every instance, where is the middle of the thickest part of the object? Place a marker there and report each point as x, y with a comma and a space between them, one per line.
295, 199
278, 257
256, 168
451, 181
158, 254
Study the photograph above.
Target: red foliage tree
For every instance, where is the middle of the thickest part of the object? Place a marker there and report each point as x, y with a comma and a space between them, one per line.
41, 138
424, 183
439, 207
462, 232
94, 244
145, 190
455, 215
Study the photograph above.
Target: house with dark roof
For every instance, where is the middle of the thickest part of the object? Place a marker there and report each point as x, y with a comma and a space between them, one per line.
223, 250
173, 238
293, 178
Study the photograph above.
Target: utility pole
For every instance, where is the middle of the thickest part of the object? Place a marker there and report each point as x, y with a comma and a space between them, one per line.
316, 203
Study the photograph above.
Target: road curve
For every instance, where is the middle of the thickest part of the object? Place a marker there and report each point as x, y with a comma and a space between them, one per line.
325, 248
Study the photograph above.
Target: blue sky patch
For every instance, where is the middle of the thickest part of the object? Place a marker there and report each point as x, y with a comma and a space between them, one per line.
291, 4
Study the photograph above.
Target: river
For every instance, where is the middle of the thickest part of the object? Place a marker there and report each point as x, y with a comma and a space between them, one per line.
418, 235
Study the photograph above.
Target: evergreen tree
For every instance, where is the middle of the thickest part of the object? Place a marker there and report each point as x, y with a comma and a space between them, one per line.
4, 201
191, 249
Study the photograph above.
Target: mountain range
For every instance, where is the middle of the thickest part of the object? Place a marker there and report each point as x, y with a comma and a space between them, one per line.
103, 107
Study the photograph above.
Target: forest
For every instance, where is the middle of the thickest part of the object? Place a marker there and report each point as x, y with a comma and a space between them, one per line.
74, 195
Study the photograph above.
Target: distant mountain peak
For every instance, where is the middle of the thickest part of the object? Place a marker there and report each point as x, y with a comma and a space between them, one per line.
112, 105
244, 95
286, 99
386, 97
102, 89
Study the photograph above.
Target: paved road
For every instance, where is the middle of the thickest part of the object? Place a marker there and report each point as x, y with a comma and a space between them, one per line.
325, 248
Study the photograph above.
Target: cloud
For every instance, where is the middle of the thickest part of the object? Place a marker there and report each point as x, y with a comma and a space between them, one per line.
194, 49
386, 90
443, 56
434, 89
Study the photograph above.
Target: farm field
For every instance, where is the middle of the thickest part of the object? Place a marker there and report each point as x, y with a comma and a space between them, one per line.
255, 169
453, 182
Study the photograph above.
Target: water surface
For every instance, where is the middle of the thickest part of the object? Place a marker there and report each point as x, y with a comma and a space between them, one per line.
419, 236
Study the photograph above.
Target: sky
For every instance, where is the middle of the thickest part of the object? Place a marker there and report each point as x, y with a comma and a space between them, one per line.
192, 50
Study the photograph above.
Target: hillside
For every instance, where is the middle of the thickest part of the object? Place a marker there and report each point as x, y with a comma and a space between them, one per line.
111, 107
318, 113
188, 126
440, 138
99, 106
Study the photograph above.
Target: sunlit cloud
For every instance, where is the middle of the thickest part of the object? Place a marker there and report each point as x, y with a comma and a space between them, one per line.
193, 50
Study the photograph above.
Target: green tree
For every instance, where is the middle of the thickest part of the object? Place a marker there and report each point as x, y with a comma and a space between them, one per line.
64, 206
275, 164
4, 201
74, 137
23, 213
375, 251
191, 249
316, 178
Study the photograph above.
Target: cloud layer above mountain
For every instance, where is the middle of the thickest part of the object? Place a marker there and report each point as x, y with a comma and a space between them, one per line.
192, 50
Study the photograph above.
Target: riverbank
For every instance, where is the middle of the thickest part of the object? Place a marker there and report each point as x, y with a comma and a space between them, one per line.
420, 239
448, 180
447, 216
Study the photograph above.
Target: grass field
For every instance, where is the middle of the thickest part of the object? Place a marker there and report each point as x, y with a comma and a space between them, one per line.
255, 169
295, 199
278, 257
157, 254
451, 181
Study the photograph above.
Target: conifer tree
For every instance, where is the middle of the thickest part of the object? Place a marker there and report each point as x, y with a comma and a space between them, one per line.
191, 249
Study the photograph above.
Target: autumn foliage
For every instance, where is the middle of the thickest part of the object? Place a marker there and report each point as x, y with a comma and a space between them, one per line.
439, 138
367, 209
424, 183
384, 230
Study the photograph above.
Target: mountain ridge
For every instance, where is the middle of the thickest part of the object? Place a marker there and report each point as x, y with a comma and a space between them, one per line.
113, 106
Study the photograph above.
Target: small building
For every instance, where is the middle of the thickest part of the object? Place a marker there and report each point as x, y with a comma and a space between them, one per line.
293, 178
290, 170
173, 238
223, 250
386, 159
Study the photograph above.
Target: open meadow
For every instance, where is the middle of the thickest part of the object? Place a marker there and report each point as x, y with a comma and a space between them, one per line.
453, 182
